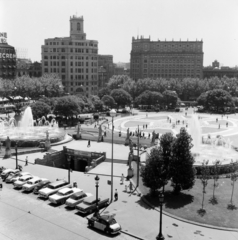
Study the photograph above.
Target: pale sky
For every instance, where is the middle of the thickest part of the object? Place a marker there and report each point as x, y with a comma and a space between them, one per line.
113, 23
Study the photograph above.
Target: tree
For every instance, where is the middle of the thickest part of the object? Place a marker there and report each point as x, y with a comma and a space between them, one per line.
215, 172
234, 177
108, 101
97, 103
202, 100
103, 91
181, 167
67, 106
121, 97
219, 99
170, 98
148, 98
40, 109
166, 146
152, 174
205, 176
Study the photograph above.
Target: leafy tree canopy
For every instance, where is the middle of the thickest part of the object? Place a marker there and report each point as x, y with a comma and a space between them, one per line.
108, 101
121, 97
40, 109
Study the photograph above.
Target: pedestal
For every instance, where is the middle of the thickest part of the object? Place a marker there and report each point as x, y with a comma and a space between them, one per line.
47, 145
130, 172
7, 153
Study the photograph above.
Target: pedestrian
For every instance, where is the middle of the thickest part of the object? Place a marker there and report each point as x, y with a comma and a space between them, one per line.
219, 126
75, 185
116, 195
122, 178
149, 135
0, 146
143, 126
125, 188
146, 126
226, 124
26, 161
89, 143
130, 186
217, 120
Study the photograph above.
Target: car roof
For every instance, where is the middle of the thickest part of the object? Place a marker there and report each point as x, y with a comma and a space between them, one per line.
25, 173
34, 179
64, 190
107, 218
44, 179
25, 176
77, 194
8, 170
56, 183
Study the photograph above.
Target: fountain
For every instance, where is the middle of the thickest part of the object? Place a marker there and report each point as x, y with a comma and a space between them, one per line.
28, 135
209, 148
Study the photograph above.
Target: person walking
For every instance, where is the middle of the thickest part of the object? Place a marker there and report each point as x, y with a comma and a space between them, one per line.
116, 195
122, 178
130, 186
26, 161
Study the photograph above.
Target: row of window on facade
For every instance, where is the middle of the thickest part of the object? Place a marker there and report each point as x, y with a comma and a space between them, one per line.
56, 63
72, 70
168, 46
72, 43
71, 50
171, 75
72, 57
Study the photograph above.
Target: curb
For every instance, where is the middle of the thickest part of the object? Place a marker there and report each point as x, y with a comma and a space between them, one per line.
185, 220
133, 235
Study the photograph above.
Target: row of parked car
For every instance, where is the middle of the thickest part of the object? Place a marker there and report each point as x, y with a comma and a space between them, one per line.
62, 192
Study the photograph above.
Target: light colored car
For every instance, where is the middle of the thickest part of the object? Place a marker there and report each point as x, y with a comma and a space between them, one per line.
6, 172
22, 180
77, 198
14, 177
53, 188
30, 185
89, 204
62, 195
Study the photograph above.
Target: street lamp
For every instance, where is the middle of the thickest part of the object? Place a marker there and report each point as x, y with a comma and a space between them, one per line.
97, 185
16, 156
112, 114
69, 161
161, 201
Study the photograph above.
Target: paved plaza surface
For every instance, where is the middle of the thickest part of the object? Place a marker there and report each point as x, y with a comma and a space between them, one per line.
24, 216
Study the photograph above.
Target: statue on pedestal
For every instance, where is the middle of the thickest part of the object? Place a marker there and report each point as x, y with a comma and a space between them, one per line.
153, 138
8, 148
100, 133
78, 135
47, 141
130, 171
127, 137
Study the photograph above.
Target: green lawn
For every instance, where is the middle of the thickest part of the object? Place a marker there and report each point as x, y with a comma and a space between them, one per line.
211, 130
187, 204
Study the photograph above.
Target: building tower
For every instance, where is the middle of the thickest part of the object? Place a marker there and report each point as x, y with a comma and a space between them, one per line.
74, 59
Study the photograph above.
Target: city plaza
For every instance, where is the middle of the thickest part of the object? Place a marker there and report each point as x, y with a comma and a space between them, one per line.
138, 218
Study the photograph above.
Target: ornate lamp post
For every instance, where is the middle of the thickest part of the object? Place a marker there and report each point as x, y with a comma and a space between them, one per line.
112, 114
161, 201
97, 185
16, 156
69, 162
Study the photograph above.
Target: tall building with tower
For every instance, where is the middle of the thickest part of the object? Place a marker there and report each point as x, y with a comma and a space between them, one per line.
166, 59
73, 58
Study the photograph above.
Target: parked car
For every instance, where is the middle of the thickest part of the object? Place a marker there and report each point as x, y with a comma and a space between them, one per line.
77, 198
89, 205
63, 194
6, 173
29, 186
53, 188
43, 184
22, 180
105, 223
2, 169
12, 177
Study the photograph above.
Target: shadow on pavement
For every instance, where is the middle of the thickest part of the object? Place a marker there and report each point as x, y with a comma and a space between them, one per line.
144, 205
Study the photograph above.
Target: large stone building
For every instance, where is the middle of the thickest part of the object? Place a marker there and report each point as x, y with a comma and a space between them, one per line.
73, 58
7, 59
166, 59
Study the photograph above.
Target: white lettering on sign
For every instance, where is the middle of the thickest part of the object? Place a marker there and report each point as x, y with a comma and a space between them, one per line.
6, 55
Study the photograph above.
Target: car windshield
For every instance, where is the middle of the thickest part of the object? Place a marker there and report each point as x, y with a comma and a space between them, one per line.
30, 183
75, 197
51, 187
113, 221
22, 179
60, 194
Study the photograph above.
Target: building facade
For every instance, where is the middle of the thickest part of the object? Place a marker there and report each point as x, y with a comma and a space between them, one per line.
166, 59
7, 61
73, 58
105, 69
